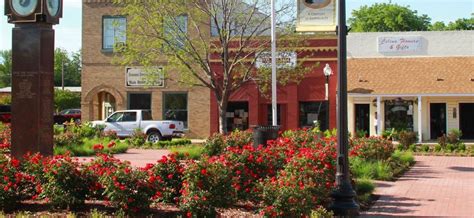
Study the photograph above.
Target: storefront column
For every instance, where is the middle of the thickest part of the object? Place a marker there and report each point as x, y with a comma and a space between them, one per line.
293, 107
379, 116
420, 130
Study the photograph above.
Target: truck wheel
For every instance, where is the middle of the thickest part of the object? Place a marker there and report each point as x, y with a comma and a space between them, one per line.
154, 137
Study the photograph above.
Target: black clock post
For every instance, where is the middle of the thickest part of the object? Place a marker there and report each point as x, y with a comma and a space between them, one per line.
32, 74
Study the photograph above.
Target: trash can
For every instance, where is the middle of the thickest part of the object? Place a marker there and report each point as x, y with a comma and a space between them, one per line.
261, 134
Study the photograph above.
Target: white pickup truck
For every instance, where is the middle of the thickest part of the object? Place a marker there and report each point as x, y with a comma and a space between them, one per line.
125, 122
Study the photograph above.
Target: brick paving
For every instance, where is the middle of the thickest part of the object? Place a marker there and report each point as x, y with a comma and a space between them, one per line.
137, 157
435, 186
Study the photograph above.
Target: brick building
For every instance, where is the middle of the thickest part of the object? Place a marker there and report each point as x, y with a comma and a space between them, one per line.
107, 87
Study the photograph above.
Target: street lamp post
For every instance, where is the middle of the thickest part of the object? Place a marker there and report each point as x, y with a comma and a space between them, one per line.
344, 203
327, 72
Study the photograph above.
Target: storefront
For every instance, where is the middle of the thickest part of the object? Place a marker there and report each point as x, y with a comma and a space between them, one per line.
424, 88
299, 105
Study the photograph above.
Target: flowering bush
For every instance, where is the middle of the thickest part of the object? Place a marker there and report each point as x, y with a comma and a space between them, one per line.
214, 145
126, 188
137, 139
65, 185
166, 178
207, 184
217, 143
5, 137
303, 184
372, 148
9, 189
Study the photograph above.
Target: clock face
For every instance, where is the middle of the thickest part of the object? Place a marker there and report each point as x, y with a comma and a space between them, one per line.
24, 7
53, 7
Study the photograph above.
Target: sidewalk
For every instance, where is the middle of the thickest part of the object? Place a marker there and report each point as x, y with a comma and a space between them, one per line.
435, 186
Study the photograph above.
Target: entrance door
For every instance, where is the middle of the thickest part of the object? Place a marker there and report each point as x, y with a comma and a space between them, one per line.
466, 120
437, 120
362, 121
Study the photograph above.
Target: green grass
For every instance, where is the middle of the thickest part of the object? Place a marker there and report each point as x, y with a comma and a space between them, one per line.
86, 148
189, 151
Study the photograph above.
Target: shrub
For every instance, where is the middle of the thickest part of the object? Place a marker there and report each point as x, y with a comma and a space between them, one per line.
412, 147
207, 184
451, 147
361, 133
438, 148
454, 136
425, 148
407, 138
364, 186
304, 184
109, 134
138, 138
389, 134
126, 188
166, 178
372, 148
9, 191
239, 138
462, 147
5, 138
65, 185
442, 141
214, 145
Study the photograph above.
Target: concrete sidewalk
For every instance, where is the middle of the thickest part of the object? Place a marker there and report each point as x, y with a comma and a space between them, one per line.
435, 186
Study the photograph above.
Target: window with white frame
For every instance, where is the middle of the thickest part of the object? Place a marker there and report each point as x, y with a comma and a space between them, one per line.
114, 31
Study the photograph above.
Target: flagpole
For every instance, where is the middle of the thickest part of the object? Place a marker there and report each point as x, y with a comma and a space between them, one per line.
274, 86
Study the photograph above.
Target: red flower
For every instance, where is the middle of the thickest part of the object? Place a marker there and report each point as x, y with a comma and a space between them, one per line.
204, 172
98, 147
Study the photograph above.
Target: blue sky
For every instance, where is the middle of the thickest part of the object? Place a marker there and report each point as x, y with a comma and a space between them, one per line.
68, 32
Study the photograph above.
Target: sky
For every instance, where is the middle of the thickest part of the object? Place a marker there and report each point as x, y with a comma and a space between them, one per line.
68, 32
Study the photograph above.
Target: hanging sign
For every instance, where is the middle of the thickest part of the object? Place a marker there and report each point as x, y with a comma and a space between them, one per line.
316, 16
138, 77
283, 60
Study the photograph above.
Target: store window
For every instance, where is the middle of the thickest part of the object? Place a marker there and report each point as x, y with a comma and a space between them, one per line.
139, 101
399, 114
270, 116
114, 31
314, 111
177, 29
175, 107
237, 116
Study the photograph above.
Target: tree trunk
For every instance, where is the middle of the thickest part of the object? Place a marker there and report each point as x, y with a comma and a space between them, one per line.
222, 115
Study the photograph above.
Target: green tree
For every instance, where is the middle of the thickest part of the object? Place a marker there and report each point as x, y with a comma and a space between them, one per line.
72, 68
65, 99
187, 33
438, 26
461, 24
387, 17
5, 68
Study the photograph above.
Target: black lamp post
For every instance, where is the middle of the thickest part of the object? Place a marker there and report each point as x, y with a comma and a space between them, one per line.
344, 203
327, 72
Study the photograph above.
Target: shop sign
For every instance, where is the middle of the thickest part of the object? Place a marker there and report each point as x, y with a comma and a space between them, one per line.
139, 77
283, 60
316, 15
399, 44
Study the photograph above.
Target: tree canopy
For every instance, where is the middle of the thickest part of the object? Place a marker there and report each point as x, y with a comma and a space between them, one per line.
459, 24
387, 17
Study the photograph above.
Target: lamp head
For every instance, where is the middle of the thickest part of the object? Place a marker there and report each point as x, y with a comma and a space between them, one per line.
327, 70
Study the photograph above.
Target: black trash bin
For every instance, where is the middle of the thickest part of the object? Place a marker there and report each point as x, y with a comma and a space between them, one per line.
261, 134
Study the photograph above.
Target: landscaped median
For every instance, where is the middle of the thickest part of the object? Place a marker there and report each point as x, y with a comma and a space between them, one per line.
291, 176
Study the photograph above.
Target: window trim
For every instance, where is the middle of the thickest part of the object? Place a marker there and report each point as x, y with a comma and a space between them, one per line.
108, 50
186, 128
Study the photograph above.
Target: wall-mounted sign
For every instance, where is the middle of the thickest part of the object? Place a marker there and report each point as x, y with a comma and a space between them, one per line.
399, 44
139, 77
316, 15
283, 59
